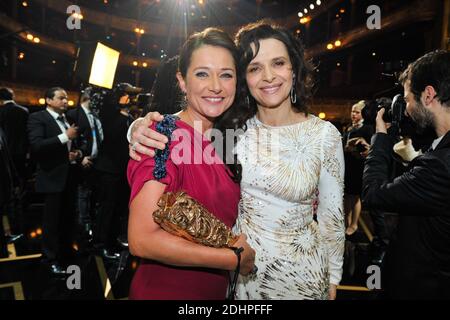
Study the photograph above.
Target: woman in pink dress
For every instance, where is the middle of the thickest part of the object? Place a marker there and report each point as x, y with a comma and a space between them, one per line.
172, 267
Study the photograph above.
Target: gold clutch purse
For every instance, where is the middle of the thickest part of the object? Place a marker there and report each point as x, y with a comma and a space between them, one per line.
182, 215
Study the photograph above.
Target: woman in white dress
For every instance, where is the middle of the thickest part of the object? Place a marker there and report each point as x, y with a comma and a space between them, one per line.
292, 173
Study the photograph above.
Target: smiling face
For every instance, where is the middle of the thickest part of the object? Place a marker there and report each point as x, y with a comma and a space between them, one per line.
269, 74
210, 82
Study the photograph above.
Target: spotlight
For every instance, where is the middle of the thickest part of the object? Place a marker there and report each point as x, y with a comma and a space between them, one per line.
25, 4
36, 40
305, 10
30, 37
70, 103
338, 43
21, 55
322, 115
144, 64
300, 15
311, 6
41, 101
330, 46
318, 2
135, 63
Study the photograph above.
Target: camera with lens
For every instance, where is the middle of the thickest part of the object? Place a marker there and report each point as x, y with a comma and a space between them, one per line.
394, 113
123, 95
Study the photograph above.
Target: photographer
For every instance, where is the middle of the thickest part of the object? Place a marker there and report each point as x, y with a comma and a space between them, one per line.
112, 164
418, 260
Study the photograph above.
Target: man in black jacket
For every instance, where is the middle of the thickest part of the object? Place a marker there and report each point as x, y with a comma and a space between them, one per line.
90, 136
13, 121
418, 260
112, 164
52, 144
8, 181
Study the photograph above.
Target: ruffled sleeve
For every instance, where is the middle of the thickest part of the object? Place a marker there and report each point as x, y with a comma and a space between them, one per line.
160, 168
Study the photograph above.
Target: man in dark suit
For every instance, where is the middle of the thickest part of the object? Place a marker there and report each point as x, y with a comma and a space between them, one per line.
52, 144
8, 181
418, 259
112, 164
90, 136
13, 121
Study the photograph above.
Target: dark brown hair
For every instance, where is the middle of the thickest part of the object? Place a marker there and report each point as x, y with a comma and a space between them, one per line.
253, 33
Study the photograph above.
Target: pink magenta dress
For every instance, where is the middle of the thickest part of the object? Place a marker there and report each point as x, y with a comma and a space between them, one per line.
212, 186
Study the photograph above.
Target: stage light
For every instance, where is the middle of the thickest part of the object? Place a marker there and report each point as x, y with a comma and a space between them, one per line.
135, 63
38, 231
305, 10
70, 103
36, 40
25, 4
136, 30
144, 64
330, 46
338, 43
297, 31
105, 1
77, 16
338, 64
374, 54
318, 2
21, 55
300, 15
141, 31
54, 61
30, 37
41, 101
305, 20
342, 10
200, 2
104, 66
33, 234
322, 115
311, 6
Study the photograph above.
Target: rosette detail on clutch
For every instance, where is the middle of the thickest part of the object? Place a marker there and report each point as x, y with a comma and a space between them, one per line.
184, 216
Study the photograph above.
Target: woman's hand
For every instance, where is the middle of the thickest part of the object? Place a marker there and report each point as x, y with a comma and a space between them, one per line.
332, 292
144, 139
247, 256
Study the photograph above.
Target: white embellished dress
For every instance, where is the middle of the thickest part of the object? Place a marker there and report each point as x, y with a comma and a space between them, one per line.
291, 208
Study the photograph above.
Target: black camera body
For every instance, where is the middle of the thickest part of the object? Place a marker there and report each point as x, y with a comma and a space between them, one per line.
104, 97
395, 113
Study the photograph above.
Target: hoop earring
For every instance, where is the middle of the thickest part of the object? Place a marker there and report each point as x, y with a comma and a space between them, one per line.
293, 94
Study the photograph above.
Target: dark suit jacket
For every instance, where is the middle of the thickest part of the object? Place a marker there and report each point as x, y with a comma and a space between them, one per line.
13, 121
113, 153
85, 138
418, 264
8, 176
51, 155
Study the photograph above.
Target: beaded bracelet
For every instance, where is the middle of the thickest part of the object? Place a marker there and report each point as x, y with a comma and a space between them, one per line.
232, 291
